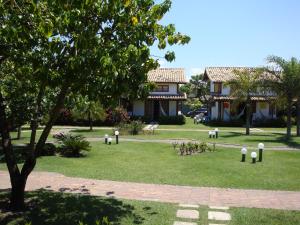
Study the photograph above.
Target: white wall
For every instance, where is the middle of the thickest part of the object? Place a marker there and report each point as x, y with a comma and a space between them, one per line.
138, 108
226, 115
262, 112
172, 108
225, 89
172, 90
214, 111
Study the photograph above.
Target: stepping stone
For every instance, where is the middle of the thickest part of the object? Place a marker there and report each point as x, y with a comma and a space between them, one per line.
219, 207
218, 216
183, 223
187, 214
188, 206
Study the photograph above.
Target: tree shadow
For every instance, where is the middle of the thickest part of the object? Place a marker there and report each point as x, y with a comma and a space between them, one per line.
277, 138
54, 208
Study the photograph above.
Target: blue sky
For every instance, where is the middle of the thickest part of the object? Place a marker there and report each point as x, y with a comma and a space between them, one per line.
233, 32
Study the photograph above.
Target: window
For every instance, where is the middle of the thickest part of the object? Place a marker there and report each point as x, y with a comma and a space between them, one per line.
218, 88
162, 88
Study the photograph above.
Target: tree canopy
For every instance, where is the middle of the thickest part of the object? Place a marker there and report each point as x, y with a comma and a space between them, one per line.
74, 46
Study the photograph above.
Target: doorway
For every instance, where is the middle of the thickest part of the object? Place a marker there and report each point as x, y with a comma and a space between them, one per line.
156, 110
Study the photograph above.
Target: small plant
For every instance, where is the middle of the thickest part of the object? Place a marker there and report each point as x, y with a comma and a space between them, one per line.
49, 149
104, 221
174, 144
72, 145
135, 127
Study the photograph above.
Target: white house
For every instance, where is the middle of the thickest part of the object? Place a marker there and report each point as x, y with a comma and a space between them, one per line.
224, 107
166, 99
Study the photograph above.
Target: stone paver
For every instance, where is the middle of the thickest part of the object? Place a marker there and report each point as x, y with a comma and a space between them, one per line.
183, 223
187, 214
219, 207
188, 206
212, 215
287, 200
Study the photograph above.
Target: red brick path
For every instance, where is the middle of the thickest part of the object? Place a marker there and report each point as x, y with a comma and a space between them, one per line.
163, 193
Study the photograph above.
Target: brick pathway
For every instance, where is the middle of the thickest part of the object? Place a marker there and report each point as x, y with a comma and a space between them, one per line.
163, 193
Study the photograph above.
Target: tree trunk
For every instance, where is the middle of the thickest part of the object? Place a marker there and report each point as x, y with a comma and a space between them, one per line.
248, 114
19, 132
34, 121
31, 158
18, 183
298, 117
90, 122
17, 194
289, 118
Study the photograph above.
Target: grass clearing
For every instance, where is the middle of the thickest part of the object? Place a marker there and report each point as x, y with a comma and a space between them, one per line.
159, 163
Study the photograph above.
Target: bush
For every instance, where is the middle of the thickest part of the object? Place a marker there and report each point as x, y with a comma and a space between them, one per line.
72, 145
172, 120
134, 127
49, 149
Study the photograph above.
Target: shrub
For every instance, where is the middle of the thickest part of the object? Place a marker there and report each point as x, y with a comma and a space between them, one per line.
191, 148
220, 123
171, 120
134, 127
49, 149
72, 145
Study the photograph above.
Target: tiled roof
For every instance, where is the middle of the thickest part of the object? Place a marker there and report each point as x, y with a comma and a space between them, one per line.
167, 97
223, 74
167, 75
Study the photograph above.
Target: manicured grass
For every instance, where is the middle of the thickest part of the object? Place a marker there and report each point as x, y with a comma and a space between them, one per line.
246, 216
49, 208
159, 163
227, 137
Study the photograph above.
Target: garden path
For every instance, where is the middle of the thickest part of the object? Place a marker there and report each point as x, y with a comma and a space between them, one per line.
286, 200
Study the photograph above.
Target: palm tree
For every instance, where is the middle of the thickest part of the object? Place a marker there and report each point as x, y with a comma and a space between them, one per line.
245, 84
286, 84
89, 110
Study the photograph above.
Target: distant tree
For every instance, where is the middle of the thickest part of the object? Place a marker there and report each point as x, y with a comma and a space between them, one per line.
197, 88
88, 110
286, 84
245, 83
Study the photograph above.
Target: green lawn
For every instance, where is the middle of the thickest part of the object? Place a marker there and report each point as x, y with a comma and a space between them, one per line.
49, 208
159, 163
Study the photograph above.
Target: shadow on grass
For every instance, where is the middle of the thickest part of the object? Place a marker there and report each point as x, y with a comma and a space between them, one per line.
51, 208
275, 138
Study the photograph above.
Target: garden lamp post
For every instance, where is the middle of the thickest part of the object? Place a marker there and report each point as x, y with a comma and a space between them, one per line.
109, 141
244, 152
217, 132
209, 133
261, 147
117, 136
253, 156
213, 133
105, 138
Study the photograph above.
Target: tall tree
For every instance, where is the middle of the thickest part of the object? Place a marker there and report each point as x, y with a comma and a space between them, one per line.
286, 84
70, 45
89, 110
197, 88
245, 84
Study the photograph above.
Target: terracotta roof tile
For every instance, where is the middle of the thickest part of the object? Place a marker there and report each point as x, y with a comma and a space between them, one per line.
223, 74
167, 75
